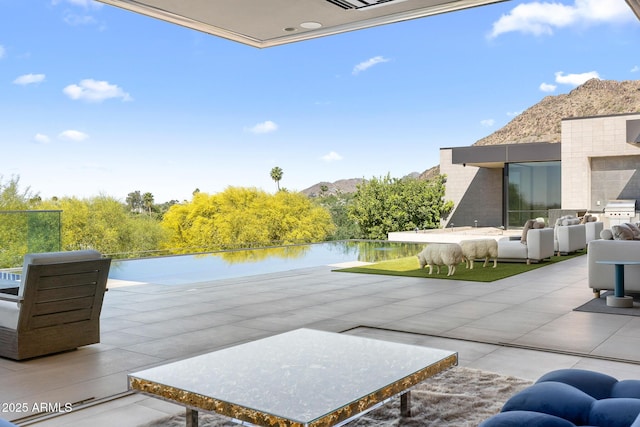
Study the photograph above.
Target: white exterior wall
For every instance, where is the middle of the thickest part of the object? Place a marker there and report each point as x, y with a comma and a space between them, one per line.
582, 141
475, 192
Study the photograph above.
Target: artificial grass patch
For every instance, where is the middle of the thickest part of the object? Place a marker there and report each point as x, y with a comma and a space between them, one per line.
409, 267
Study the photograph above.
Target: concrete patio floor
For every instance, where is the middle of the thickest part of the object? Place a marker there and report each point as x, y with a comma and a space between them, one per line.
523, 326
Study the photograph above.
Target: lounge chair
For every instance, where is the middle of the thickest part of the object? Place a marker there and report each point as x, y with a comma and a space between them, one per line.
57, 306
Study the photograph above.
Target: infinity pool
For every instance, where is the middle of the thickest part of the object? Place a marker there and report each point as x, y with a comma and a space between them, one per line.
181, 269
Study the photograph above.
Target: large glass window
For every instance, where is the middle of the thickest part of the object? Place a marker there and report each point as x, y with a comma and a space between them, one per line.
533, 189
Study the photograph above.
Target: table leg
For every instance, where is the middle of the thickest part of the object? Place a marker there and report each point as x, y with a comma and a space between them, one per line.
619, 285
405, 404
192, 418
618, 299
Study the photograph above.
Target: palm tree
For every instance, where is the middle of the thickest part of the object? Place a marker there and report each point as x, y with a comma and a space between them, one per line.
147, 201
276, 175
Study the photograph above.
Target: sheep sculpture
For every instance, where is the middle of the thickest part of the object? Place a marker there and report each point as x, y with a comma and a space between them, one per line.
479, 249
437, 254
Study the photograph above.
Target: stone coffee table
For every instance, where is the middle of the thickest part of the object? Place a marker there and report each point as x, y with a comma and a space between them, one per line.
296, 379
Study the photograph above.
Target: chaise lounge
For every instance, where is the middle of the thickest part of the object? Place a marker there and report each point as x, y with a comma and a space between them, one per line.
535, 245
57, 306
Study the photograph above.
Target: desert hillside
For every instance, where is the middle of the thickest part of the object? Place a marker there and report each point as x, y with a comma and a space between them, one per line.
542, 121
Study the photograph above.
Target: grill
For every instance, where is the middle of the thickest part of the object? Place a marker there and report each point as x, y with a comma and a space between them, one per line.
620, 209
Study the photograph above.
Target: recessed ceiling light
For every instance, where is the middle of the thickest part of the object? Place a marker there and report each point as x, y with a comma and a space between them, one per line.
311, 25
289, 29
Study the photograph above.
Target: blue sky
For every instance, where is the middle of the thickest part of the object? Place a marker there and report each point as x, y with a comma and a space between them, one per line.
97, 100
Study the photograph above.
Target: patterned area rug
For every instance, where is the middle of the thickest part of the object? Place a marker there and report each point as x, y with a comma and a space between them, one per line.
459, 397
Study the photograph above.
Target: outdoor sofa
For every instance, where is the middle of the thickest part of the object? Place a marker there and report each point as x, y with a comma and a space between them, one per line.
620, 243
57, 304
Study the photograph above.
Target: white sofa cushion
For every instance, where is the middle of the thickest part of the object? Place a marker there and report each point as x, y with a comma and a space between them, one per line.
539, 246
602, 276
512, 249
593, 230
571, 238
9, 312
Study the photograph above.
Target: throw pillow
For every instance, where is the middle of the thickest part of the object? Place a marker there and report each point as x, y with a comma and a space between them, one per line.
622, 232
527, 226
606, 234
635, 230
570, 221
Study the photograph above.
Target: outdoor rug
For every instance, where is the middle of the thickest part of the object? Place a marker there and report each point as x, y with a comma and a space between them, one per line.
409, 267
599, 305
458, 397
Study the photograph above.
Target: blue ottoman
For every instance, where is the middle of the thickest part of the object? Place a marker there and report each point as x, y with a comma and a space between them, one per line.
572, 397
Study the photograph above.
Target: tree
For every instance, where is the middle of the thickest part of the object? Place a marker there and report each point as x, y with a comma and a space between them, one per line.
134, 201
383, 205
338, 206
13, 198
276, 175
147, 201
107, 225
243, 218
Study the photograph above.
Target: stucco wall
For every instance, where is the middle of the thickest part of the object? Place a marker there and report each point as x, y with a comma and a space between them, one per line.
476, 193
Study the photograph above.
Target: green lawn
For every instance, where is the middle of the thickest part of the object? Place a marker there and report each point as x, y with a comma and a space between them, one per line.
409, 267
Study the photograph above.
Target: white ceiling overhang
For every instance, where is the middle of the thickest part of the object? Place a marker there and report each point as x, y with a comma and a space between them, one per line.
635, 6
264, 23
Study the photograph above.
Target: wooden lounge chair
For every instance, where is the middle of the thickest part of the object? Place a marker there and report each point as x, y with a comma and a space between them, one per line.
57, 306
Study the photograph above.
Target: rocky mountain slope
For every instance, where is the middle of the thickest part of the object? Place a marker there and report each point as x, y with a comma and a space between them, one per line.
542, 121
343, 186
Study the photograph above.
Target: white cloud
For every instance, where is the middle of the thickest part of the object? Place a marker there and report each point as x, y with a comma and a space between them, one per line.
487, 122
635, 69
41, 138
95, 91
3, 52
75, 20
542, 18
86, 4
264, 127
575, 79
513, 113
547, 87
332, 156
27, 79
73, 135
368, 64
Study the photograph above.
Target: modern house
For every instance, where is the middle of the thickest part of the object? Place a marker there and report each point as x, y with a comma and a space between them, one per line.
596, 163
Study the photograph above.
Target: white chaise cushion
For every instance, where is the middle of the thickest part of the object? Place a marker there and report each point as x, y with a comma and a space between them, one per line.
54, 257
9, 312
512, 249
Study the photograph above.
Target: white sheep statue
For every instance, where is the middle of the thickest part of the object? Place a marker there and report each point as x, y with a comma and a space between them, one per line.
437, 254
479, 249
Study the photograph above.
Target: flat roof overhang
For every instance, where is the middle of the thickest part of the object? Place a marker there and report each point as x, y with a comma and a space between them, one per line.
265, 23
635, 6
495, 156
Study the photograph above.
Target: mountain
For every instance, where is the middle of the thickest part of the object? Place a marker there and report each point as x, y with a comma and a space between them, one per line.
542, 121
343, 186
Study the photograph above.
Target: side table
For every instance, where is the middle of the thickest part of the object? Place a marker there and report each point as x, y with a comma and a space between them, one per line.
618, 299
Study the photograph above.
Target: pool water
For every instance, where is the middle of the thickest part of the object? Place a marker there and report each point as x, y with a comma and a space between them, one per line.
181, 269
